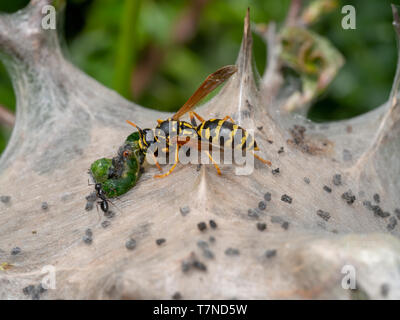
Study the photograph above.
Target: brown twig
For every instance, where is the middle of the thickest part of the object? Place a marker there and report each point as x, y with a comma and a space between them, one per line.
294, 11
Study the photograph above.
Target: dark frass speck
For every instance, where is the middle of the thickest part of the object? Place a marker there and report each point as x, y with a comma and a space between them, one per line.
184, 210
16, 251
397, 212
130, 244
232, 252
252, 213
28, 290
285, 225
159, 242
261, 226
385, 290
186, 265
275, 171
337, 180
267, 196
262, 205
202, 244
378, 212
199, 265
349, 197
177, 296
270, 253
286, 198
327, 189
87, 239
392, 224
5, 199
208, 253
34, 291
323, 214
106, 224
213, 224
368, 204
92, 197
89, 206
202, 226
276, 219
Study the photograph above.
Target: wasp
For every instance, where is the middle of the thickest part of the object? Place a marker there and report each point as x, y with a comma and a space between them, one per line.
212, 131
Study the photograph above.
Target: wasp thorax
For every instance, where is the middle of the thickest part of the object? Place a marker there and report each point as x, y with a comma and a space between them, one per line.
147, 137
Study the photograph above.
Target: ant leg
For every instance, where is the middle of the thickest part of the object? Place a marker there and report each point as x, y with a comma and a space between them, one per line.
114, 205
98, 213
214, 163
261, 159
172, 168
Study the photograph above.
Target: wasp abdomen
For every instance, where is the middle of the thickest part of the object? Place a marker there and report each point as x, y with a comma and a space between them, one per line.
226, 134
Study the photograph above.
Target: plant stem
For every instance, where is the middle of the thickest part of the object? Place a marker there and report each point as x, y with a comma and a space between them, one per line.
126, 48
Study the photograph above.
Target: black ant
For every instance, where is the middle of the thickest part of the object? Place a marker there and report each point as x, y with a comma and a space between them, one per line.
100, 193
102, 196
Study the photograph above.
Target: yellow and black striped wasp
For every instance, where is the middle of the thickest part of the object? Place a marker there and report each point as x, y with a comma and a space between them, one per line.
174, 132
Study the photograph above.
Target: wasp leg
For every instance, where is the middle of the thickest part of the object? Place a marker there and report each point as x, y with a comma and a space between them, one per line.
193, 114
192, 119
173, 166
156, 162
214, 163
228, 118
267, 162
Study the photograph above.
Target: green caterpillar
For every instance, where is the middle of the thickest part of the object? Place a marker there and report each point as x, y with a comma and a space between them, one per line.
119, 174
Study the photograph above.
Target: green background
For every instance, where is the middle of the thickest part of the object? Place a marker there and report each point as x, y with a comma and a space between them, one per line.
110, 39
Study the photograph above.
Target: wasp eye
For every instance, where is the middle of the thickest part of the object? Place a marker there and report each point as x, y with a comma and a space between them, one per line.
149, 136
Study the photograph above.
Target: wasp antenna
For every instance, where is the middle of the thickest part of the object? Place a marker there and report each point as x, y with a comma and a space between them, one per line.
132, 124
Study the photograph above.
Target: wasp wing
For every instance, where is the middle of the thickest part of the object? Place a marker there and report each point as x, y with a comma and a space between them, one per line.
211, 83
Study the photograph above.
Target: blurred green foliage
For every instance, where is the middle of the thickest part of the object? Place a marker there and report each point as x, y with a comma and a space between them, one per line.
105, 40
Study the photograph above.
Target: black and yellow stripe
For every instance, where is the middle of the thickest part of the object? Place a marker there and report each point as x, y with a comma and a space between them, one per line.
219, 132
226, 134
169, 128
